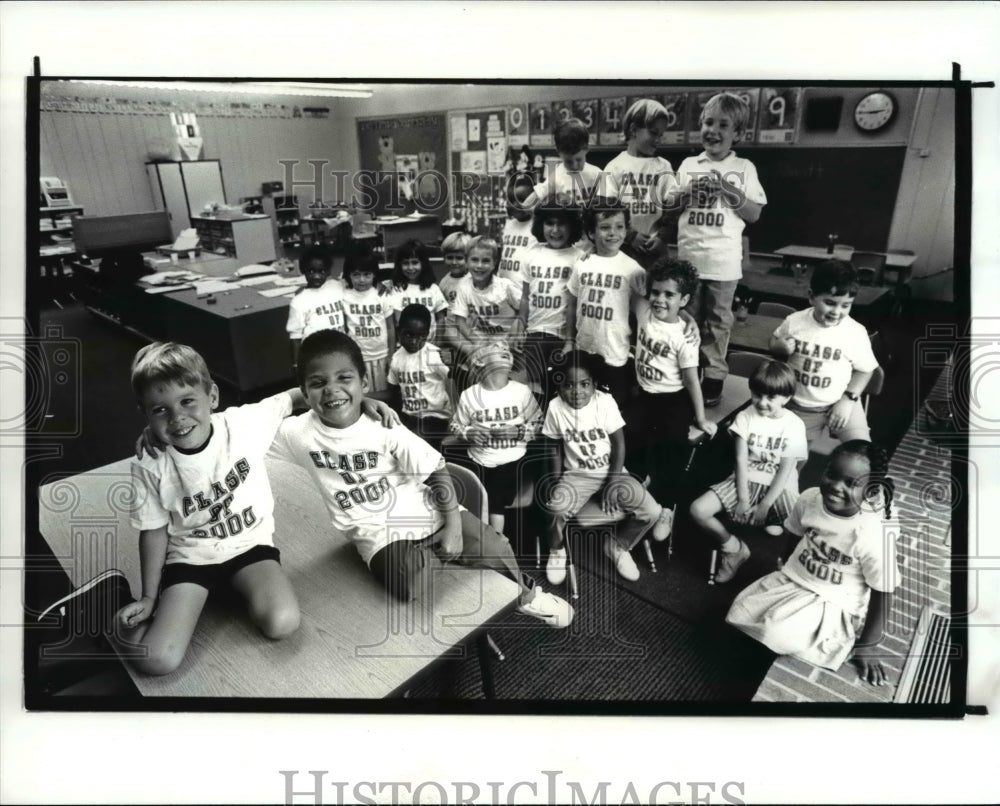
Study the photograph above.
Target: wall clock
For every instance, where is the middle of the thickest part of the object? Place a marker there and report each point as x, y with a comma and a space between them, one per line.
875, 111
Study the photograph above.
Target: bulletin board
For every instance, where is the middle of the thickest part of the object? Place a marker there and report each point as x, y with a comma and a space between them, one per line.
404, 160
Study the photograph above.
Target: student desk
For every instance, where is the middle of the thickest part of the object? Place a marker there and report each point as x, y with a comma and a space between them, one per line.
354, 641
754, 333
899, 262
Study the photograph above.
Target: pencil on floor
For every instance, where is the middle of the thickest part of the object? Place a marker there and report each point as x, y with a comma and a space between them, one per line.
711, 567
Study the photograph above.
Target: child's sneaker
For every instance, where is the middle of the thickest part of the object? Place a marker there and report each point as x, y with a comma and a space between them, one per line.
624, 564
93, 605
555, 568
729, 562
664, 525
552, 610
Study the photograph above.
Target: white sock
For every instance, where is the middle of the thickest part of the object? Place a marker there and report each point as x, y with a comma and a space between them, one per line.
732, 545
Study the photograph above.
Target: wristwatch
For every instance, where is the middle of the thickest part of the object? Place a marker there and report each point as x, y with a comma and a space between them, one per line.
852, 396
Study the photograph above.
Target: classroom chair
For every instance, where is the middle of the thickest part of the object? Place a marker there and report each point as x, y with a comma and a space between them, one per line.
777, 309
870, 266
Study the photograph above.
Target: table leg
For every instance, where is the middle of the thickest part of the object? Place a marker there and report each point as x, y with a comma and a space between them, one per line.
485, 665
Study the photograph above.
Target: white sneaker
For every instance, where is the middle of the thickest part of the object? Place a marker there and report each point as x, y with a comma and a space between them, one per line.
555, 568
553, 610
624, 564
664, 525
729, 562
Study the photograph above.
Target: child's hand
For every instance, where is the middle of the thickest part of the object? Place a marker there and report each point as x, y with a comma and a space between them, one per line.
870, 668
784, 347
610, 497
148, 442
741, 513
384, 288
382, 410
451, 544
132, 615
759, 514
707, 426
691, 333
839, 414
478, 435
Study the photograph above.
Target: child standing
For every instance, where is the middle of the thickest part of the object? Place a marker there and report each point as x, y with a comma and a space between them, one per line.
840, 575
368, 317
544, 297
453, 249
718, 194
390, 492
641, 179
573, 180
831, 355
666, 366
590, 465
422, 377
497, 417
413, 284
320, 304
517, 237
770, 441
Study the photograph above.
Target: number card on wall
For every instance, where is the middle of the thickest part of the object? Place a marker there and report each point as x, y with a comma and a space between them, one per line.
587, 112
779, 111
751, 98
696, 102
540, 118
517, 126
562, 111
676, 105
610, 128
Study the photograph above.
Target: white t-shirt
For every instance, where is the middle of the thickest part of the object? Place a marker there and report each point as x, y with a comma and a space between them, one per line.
491, 309
370, 478
641, 183
769, 440
496, 408
412, 294
516, 241
570, 188
604, 287
825, 357
217, 503
449, 287
548, 273
661, 353
422, 378
585, 433
841, 558
711, 238
365, 314
313, 309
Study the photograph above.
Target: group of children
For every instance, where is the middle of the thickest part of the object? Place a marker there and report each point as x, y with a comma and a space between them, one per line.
529, 342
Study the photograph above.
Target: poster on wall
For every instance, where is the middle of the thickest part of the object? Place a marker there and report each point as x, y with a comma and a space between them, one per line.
517, 126
473, 162
610, 126
779, 111
459, 136
676, 105
586, 111
540, 121
496, 155
475, 127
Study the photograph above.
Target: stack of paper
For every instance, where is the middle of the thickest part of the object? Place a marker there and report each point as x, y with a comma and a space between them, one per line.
293, 281
259, 280
171, 277
214, 286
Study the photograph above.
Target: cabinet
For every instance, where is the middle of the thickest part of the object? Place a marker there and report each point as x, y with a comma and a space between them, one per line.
183, 189
248, 239
55, 238
285, 212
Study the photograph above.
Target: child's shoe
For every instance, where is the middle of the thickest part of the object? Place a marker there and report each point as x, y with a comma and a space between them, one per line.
93, 605
548, 608
624, 564
729, 562
664, 525
555, 568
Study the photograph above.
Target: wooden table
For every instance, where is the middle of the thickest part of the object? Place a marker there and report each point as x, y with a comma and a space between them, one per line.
354, 640
753, 333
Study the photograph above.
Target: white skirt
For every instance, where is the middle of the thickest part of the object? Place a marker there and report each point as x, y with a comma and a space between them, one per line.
792, 620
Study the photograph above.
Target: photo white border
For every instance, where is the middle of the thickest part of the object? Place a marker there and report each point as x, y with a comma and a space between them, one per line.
180, 758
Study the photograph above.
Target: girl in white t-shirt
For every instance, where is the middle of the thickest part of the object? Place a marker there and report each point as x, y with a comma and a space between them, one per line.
317, 306
770, 441
413, 283
369, 317
841, 573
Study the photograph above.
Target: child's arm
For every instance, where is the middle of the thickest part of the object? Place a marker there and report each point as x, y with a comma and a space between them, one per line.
445, 501
522, 311
782, 344
746, 209
390, 332
295, 352
465, 429
689, 377
570, 320
438, 328
610, 495
840, 412
152, 556
786, 467
742, 511
866, 653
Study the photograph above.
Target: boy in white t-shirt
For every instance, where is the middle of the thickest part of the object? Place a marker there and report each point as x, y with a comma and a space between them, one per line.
320, 304
770, 441
573, 180
422, 377
831, 355
718, 193
387, 489
454, 249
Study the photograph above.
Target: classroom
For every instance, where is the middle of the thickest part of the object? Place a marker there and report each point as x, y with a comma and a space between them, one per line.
192, 212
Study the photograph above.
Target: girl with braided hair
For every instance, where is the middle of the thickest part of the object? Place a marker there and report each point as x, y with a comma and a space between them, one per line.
830, 600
